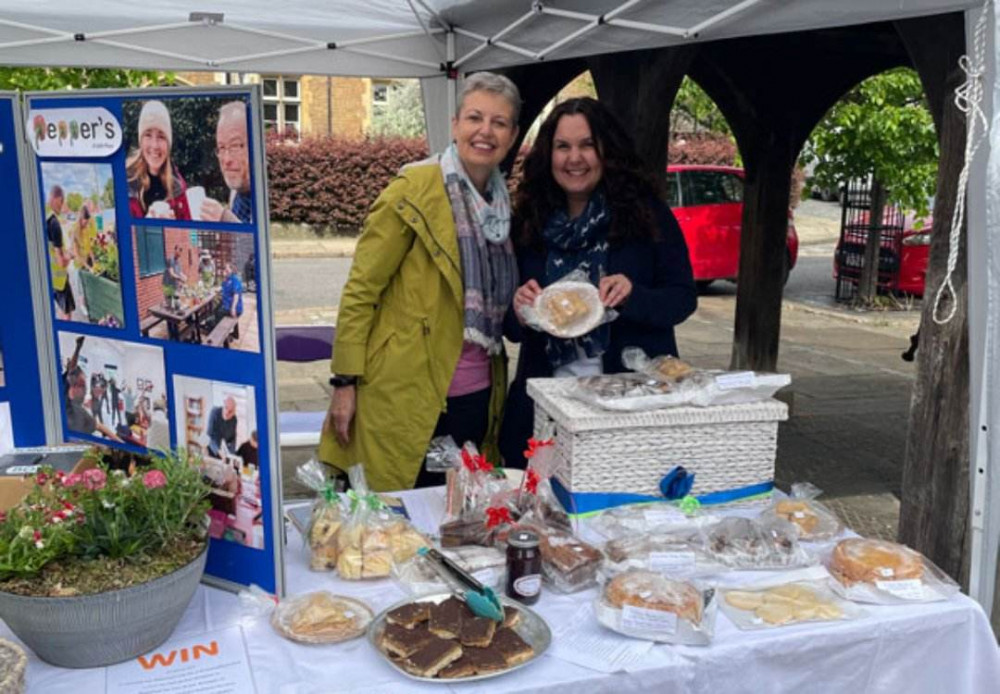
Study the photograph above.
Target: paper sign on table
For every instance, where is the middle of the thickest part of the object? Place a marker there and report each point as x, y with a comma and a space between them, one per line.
213, 662
585, 642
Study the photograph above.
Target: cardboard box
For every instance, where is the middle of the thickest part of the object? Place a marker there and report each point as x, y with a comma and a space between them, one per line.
18, 468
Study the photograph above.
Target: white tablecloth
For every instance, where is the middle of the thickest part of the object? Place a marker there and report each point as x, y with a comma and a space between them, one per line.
932, 648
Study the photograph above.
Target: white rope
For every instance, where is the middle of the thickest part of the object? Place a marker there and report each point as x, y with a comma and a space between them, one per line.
968, 100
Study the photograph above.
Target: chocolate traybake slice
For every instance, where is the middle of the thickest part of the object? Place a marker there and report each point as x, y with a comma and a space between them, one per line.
433, 657
463, 667
446, 618
487, 660
404, 642
513, 648
410, 615
511, 616
477, 631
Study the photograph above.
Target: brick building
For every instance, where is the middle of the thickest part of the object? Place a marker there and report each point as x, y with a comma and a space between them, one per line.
311, 105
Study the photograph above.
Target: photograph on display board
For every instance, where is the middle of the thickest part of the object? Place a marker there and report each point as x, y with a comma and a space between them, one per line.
189, 159
217, 421
6, 429
114, 389
82, 242
197, 286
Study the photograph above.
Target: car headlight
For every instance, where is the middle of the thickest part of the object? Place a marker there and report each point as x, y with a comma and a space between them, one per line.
923, 239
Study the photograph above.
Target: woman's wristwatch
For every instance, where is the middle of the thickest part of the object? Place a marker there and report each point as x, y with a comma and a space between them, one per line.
341, 381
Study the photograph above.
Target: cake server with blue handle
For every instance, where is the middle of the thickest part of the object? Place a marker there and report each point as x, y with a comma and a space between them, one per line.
481, 599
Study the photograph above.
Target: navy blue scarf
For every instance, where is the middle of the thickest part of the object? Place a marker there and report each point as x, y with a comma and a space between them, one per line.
571, 244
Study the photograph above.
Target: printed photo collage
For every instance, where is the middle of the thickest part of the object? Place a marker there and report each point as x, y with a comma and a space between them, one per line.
173, 262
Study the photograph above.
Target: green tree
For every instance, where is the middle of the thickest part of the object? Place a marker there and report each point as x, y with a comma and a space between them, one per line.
403, 115
696, 107
40, 78
883, 129
74, 201
108, 194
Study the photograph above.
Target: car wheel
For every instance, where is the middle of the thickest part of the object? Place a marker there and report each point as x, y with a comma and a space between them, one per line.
702, 285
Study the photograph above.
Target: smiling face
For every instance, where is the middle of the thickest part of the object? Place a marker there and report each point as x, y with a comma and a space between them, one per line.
484, 131
231, 148
155, 148
576, 163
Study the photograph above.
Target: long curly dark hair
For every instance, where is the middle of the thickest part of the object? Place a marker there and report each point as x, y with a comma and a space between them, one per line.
627, 186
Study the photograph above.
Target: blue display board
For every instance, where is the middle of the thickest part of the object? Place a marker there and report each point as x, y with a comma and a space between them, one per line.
153, 224
20, 383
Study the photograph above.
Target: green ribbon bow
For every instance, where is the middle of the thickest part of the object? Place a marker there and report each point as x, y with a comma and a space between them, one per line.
371, 499
689, 505
330, 495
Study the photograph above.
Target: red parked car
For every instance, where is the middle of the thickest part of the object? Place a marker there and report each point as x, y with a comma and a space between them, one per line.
911, 248
708, 204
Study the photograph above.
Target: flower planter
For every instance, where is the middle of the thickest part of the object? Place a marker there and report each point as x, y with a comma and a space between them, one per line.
104, 628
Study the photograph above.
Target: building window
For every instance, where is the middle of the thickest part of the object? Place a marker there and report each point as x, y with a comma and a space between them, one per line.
282, 104
149, 245
380, 93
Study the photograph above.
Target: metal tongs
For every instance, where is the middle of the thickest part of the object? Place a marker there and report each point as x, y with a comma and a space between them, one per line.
481, 599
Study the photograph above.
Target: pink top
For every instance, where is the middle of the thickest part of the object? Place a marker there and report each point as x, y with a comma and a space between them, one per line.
472, 373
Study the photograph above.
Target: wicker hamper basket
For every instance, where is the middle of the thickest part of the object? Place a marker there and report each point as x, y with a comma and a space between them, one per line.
727, 447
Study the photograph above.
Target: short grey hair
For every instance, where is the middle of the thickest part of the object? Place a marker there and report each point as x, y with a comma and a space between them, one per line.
491, 82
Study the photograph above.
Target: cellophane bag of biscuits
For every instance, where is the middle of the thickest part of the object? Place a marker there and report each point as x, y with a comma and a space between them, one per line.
480, 484
326, 518
786, 604
660, 517
756, 544
372, 537
677, 554
814, 521
535, 496
698, 387
648, 605
418, 575
886, 573
569, 307
321, 617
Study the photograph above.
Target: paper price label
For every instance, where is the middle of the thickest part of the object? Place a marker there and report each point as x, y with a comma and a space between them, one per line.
21, 470
736, 379
676, 562
642, 620
908, 589
662, 516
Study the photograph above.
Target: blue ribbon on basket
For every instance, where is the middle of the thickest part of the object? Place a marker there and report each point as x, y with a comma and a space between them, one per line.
677, 483
587, 503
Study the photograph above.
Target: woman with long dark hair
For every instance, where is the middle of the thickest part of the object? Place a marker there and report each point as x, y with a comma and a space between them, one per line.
585, 202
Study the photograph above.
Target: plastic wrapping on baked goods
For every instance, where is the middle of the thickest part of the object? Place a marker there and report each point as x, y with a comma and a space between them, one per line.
568, 563
814, 521
326, 517
373, 537
648, 605
666, 381
752, 544
442, 454
656, 517
535, 495
418, 576
786, 604
886, 573
480, 486
678, 554
321, 617
567, 308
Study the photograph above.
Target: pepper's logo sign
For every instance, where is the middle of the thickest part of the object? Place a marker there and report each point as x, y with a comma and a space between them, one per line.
74, 132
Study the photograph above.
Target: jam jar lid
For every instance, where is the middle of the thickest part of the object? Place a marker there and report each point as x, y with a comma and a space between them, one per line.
522, 539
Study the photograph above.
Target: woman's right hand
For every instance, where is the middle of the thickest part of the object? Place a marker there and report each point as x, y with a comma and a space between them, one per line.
525, 296
343, 404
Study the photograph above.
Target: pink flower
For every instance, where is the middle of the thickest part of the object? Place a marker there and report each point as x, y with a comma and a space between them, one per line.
3, 516
154, 479
72, 480
94, 479
41, 479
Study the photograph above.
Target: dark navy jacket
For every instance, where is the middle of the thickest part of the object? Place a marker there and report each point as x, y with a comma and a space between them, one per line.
663, 295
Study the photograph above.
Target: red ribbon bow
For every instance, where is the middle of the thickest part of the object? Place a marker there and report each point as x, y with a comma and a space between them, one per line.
532, 481
535, 444
475, 462
496, 515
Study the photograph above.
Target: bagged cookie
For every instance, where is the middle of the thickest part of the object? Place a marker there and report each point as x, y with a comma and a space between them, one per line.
482, 487
535, 496
568, 308
756, 544
326, 518
814, 521
786, 604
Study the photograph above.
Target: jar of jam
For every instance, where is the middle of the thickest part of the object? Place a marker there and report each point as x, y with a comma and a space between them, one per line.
524, 567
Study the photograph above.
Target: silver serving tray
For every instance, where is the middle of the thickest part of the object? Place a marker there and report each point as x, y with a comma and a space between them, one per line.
532, 628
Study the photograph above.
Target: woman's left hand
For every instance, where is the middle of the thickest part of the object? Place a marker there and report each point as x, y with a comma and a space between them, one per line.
614, 289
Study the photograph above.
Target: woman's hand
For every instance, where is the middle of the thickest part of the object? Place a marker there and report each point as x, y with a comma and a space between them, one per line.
614, 289
342, 407
525, 296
